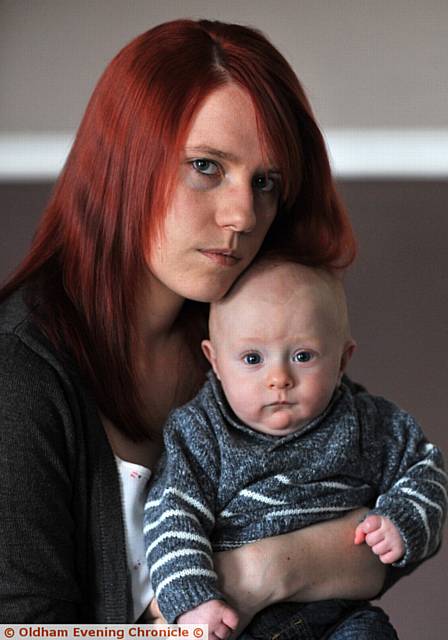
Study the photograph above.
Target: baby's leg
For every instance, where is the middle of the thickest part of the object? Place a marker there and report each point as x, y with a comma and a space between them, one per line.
220, 618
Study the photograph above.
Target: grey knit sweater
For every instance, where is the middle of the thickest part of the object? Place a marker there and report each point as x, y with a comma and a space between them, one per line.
221, 484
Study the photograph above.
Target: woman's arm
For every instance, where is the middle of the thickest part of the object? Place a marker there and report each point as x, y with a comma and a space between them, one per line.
37, 531
315, 563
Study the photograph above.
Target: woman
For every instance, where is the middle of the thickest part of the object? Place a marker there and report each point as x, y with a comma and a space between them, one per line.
198, 148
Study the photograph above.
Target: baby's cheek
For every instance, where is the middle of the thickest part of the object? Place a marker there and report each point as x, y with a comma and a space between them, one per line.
240, 400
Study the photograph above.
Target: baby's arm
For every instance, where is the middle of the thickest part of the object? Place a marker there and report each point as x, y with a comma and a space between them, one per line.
411, 480
221, 619
179, 517
382, 536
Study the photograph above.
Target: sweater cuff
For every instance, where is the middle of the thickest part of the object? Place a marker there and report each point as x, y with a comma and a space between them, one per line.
411, 531
186, 593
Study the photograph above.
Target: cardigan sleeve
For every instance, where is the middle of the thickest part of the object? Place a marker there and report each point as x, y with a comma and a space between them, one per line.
179, 516
37, 529
413, 484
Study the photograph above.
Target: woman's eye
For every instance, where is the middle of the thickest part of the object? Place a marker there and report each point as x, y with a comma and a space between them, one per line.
303, 356
206, 167
264, 183
252, 358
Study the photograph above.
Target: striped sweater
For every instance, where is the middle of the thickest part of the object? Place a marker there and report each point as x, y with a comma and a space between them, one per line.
220, 485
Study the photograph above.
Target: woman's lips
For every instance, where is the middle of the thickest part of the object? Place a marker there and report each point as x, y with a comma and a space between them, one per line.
220, 256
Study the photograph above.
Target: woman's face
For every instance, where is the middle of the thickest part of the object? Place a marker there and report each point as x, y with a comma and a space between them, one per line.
223, 204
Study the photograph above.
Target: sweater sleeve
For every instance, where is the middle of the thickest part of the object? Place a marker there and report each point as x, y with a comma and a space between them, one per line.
38, 581
179, 516
413, 486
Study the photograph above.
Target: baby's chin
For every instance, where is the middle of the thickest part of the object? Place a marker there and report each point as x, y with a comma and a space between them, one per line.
279, 422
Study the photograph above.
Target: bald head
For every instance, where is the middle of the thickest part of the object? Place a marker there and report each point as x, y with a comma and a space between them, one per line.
286, 286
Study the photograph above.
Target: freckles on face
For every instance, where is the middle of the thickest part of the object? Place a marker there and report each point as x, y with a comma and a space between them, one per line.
224, 201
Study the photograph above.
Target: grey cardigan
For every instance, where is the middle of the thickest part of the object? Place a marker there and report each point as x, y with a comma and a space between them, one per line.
62, 547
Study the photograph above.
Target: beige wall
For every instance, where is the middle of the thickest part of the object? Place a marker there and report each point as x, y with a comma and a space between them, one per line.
367, 63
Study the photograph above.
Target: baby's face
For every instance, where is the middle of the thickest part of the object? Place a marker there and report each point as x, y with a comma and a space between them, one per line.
279, 348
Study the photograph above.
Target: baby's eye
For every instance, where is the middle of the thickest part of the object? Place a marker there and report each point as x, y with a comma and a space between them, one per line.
252, 358
303, 356
264, 183
202, 165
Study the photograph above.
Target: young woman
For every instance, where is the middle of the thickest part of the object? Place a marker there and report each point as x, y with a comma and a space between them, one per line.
198, 149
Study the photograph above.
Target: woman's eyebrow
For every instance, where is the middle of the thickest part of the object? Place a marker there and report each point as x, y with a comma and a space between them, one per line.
225, 155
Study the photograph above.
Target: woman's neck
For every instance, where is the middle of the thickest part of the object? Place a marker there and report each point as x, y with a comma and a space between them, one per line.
158, 310
167, 377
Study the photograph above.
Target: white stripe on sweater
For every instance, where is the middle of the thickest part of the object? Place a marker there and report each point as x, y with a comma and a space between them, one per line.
420, 496
171, 513
441, 487
282, 478
292, 512
227, 514
181, 535
184, 496
173, 555
429, 463
260, 497
184, 574
340, 485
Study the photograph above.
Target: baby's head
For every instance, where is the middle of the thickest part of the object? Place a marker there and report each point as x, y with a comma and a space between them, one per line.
279, 343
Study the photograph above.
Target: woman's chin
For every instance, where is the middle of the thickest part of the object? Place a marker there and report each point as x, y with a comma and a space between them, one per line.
212, 292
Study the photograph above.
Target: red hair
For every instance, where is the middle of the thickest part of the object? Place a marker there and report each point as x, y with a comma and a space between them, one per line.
88, 258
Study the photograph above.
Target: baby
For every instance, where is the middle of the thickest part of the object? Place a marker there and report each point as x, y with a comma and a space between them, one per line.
276, 440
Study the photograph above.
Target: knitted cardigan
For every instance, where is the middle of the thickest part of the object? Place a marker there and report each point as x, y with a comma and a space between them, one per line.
221, 485
62, 551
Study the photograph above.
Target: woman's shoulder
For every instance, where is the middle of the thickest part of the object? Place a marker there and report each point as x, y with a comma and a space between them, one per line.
23, 347
37, 387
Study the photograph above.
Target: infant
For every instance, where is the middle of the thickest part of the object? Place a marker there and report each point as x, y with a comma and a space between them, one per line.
277, 440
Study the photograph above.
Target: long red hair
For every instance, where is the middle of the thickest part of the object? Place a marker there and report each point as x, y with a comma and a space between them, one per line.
87, 260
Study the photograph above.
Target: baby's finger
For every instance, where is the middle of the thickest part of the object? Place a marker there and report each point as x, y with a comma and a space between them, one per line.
360, 536
390, 556
375, 537
381, 548
371, 523
230, 618
222, 632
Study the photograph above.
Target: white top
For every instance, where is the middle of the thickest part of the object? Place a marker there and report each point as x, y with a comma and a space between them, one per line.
134, 480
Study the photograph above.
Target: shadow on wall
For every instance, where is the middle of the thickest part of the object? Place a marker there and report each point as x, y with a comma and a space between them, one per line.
399, 311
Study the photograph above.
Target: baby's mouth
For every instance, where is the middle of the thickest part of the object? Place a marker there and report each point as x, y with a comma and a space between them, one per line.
280, 404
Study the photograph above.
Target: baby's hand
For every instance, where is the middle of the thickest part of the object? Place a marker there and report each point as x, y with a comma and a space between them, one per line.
222, 620
382, 536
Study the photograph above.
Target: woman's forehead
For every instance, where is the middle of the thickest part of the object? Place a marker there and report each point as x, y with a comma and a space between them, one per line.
226, 126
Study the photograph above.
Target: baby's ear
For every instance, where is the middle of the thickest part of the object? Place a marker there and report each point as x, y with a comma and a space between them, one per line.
349, 348
210, 354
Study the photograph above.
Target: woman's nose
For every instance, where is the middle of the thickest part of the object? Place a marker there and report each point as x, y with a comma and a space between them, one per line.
236, 210
279, 378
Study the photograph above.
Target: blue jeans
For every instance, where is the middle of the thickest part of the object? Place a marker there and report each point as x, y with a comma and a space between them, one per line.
328, 619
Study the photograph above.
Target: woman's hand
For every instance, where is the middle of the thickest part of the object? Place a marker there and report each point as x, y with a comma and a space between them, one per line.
315, 563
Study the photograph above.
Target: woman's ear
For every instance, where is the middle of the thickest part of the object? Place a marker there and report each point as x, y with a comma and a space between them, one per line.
349, 348
210, 354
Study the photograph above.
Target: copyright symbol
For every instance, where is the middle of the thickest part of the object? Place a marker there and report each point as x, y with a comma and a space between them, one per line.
9, 633
198, 633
